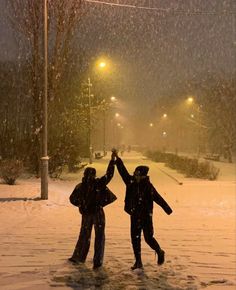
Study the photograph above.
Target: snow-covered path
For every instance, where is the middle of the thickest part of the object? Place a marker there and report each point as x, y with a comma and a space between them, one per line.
38, 236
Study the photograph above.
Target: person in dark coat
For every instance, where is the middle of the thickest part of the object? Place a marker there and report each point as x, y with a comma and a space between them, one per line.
91, 195
140, 194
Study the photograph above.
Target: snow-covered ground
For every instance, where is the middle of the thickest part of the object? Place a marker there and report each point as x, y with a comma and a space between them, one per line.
199, 237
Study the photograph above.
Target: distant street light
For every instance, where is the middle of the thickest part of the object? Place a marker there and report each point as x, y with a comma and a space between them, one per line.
190, 100
164, 115
151, 125
102, 64
44, 158
116, 117
113, 99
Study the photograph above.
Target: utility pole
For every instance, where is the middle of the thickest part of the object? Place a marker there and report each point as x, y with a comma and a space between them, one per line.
44, 158
90, 113
104, 131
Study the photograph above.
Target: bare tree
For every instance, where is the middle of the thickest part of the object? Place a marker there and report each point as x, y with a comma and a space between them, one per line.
27, 21
219, 107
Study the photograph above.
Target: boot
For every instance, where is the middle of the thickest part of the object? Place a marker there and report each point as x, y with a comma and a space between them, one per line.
137, 265
161, 257
97, 265
75, 261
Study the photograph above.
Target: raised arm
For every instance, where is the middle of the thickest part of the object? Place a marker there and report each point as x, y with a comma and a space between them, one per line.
160, 200
104, 180
123, 171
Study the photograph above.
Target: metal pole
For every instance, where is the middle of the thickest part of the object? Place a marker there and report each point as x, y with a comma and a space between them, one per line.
44, 158
90, 112
104, 132
199, 135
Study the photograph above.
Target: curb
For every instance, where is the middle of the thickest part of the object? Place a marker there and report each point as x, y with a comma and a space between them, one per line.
172, 177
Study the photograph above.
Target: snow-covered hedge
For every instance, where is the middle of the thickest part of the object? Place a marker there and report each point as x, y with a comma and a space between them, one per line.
191, 167
10, 170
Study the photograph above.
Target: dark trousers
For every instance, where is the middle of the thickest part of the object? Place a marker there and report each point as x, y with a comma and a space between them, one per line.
82, 247
137, 225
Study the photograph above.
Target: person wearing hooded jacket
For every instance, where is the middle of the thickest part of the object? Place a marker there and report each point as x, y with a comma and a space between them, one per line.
90, 196
139, 197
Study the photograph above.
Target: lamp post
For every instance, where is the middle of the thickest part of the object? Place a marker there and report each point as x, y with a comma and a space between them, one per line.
106, 128
198, 122
115, 127
104, 131
44, 158
90, 112
106, 106
101, 65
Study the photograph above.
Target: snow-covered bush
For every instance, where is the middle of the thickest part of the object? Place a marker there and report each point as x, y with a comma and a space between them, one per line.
214, 172
191, 167
156, 156
10, 170
207, 170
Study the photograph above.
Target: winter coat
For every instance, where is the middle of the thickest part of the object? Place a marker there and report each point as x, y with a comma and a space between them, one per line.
92, 196
139, 197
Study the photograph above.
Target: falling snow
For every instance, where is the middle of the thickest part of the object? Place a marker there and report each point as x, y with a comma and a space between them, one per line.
135, 75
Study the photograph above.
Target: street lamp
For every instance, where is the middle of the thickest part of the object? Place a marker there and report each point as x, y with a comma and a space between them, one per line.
102, 64
104, 132
44, 158
113, 100
197, 120
89, 123
119, 135
190, 100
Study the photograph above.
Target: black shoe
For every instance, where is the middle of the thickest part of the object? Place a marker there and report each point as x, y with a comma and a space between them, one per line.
74, 261
161, 257
96, 266
137, 265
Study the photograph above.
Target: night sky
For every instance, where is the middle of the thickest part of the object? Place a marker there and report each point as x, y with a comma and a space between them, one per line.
158, 53
155, 52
